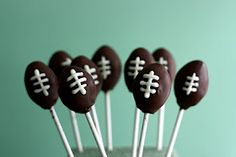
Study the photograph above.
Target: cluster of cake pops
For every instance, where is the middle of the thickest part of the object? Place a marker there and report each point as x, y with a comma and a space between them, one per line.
148, 76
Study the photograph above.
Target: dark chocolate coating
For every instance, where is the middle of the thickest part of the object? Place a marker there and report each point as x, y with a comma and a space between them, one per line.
187, 98
166, 56
156, 99
84, 63
47, 97
114, 65
78, 101
140, 55
59, 61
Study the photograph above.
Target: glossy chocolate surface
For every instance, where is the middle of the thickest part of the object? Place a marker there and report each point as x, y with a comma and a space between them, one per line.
137, 60
59, 61
86, 64
151, 88
191, 84
41, 84
109, 65
77, 89
165, 58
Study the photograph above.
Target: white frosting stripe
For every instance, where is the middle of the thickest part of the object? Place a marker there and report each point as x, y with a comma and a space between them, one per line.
40, 81
190, 84
77, 82
149, 84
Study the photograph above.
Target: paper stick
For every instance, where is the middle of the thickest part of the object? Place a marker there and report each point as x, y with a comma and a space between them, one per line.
108, 121
135, 133
61, 132
161, 120
76, 131
95, 134
143, 134
96, 122
175, 133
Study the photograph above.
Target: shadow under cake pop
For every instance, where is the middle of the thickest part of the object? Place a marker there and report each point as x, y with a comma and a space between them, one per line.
77, 93
165, 58
42, 87
151, 89
135, 63
191, 84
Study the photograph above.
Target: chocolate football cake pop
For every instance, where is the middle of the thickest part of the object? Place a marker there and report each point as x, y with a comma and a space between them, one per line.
165, 58
191, 84
91, 68
42, 87
77, 93
137, 60
41, 84
77, 89
86, 64
109, 65
151, 89
59, 61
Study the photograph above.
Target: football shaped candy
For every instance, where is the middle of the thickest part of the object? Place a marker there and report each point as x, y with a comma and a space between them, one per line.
59, 61
191, 84
164, 57
137, 60
77, 89
109, 65
41, 84
151, 88
86, 64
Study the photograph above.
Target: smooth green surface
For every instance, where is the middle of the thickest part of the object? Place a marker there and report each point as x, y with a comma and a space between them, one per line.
123, 152
34, 29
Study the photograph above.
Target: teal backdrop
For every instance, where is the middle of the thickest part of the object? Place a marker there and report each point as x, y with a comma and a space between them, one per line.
33, 29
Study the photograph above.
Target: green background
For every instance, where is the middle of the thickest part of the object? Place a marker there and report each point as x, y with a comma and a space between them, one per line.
33, 30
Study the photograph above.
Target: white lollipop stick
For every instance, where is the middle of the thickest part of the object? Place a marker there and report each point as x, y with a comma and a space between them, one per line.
175, 133
143, 134
161, 119
96, 122
61, 132
76, 131
95, 134
135, 133
108, 119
